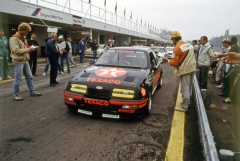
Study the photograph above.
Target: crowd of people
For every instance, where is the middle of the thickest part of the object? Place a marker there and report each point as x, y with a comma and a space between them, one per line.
200, 56
227, 70
24, 57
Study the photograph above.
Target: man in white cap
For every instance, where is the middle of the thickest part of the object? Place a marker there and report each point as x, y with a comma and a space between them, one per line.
184, 63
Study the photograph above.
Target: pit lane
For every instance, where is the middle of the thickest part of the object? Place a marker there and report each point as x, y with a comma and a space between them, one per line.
42, 128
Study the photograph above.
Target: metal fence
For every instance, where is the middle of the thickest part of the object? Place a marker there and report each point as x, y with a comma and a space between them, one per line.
88, 10
210, 151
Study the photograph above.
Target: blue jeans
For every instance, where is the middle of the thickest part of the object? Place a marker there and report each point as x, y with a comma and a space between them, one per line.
65, 56
19, 70
46, 66
94, 54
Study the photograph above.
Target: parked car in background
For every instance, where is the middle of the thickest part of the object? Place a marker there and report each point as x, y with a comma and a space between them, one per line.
170, 52
160, 51
100, 51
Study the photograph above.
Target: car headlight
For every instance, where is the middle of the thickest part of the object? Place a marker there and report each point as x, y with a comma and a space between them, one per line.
123, 93
79, 88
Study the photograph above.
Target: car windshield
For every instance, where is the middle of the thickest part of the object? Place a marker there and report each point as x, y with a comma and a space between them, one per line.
169, 49
125, 58
100, 46
158, 50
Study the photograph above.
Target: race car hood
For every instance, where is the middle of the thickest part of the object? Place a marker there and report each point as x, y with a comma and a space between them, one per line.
122, 77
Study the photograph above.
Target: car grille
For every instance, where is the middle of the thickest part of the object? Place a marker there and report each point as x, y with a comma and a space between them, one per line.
99, 93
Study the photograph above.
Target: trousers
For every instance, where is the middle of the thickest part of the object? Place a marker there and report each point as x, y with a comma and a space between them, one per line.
33, 62
203, 75
186, 88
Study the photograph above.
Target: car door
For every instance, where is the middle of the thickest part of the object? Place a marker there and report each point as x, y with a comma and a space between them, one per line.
154, 74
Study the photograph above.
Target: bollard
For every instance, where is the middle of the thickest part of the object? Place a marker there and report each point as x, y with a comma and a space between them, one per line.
226, 155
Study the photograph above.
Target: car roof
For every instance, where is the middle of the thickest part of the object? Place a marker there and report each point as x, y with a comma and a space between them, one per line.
139, 48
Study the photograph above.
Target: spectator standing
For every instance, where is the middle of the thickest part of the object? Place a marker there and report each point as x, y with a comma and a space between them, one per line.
20, 56
125, 43
204, 55
94, 48
65, 54
221, 63
33, 55
53, 53
69, 41
81, 49
184, 63
233, 71
4, 70
113, 43
195, 47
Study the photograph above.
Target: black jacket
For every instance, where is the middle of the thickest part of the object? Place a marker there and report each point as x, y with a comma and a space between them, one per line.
94, 46
32, 42
52, 50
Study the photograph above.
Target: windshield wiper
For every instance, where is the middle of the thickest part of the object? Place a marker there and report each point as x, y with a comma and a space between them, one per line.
118, 59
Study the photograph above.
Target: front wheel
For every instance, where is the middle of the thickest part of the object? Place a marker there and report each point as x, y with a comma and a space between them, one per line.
149, 104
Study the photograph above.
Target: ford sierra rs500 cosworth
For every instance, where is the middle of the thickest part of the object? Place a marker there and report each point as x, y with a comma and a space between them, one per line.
120, 84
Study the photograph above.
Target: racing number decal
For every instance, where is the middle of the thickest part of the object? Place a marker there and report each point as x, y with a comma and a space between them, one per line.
110, 72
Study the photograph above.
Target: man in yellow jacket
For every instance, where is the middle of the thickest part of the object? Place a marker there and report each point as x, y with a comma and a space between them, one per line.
184, 63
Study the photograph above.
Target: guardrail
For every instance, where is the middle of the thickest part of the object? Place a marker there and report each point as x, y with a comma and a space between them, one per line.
209, 148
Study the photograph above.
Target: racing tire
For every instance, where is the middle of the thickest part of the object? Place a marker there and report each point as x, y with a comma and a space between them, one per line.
149, 104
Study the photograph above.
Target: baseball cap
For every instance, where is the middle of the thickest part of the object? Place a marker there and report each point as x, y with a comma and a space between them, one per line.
60, 36
175, 34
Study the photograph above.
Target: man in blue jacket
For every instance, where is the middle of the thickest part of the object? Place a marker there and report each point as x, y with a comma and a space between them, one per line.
53, 54
81, 49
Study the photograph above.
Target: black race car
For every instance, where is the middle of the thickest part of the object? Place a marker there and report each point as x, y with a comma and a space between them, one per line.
120, 84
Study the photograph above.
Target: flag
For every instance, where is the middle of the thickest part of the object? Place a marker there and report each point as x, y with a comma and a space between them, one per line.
141, 21
116, 8
89, 1
124, 11
131, 15
105, 3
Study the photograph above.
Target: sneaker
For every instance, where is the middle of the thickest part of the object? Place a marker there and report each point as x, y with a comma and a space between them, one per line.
44, 74
35, 94
217, 82
61, 72
220, 86
8, 77
180, 109
18, 98
227, 100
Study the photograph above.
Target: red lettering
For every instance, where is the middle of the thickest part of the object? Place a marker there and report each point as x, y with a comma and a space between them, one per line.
88, 79
94, 80
106, 103
110, 81
117, 82
99, 80
104, 81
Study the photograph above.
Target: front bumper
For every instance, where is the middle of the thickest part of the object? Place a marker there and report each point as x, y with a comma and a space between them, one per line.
105, 108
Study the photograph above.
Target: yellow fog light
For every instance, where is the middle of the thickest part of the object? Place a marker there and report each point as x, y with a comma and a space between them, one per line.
123, 93
78, 88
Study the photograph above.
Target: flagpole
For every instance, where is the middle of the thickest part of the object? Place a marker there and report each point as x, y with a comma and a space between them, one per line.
105, 12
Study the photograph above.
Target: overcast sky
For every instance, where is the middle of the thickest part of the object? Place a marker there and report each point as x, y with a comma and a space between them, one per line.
193, 18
